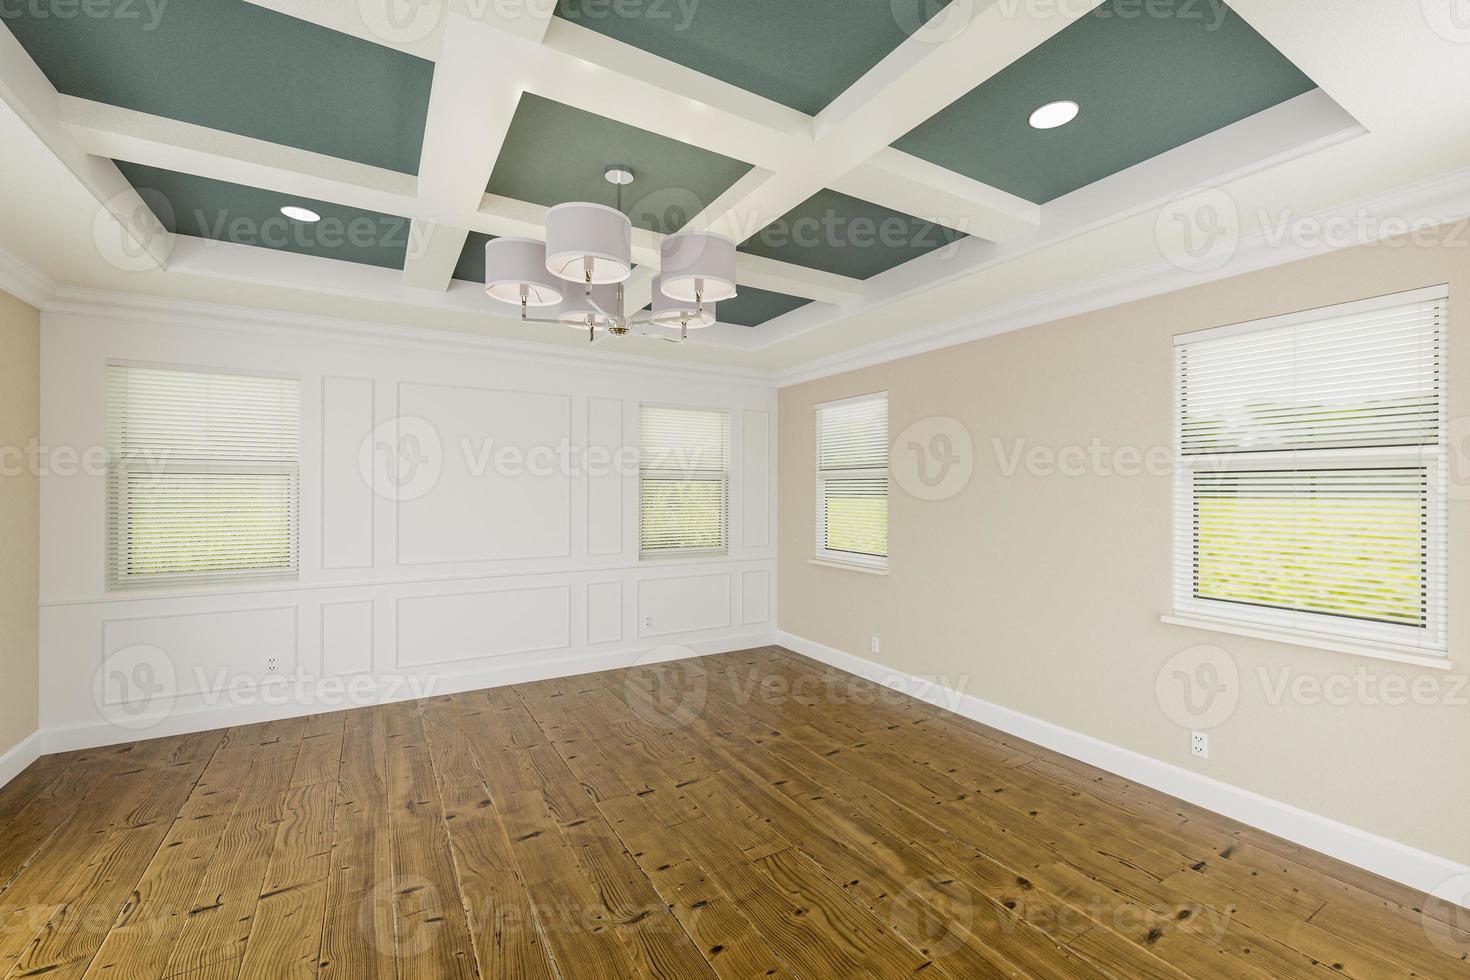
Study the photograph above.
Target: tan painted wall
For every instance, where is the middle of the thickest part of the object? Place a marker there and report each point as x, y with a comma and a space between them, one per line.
1045, 592
20, 424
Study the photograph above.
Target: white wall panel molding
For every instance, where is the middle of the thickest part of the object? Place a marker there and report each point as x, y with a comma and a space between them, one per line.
757, 488
204, 651
472, 508
755, 597
491, 618
670, 604
347, 420
309, 592
604, 606
605, 489
347, 637
448, 628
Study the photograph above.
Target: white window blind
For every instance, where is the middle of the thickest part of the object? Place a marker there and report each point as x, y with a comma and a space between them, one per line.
683, 481
852, 480
1311, 488
203, 473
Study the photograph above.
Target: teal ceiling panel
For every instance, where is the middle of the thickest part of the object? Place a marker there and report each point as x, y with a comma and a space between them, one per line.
1148, 77
800, 53
847, 236
221, 211
752, 306
471, 264
554, 153
237, 67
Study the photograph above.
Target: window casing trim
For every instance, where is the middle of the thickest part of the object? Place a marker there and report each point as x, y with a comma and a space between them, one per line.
117, 544
1425, 646
821, 554
701, 474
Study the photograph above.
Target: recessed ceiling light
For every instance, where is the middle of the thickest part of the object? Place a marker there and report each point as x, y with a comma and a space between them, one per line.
300, 214
1054, 114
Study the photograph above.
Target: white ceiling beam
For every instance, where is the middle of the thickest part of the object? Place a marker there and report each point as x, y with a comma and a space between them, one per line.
586, 69
137, 241
916, 80
926, 190
1314, 35
433, 252
795, 280
470, 111
418, 27
580, 67
137, 137
124, 134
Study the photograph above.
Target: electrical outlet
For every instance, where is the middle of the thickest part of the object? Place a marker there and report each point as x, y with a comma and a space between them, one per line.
648, 622
270, 664
875, 644
1199, 744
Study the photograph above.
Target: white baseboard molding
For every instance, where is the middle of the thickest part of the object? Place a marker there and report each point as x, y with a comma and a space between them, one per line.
86, 735
22, 754
1390, 859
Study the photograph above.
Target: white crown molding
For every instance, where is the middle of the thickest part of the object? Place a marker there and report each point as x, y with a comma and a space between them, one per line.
158, 310
25, 283
1446, 197
1408, 865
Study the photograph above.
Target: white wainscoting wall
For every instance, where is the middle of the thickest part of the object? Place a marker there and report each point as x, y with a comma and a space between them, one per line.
472, 578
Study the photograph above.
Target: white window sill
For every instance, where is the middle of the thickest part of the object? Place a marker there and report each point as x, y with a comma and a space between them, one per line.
850, 566
1317, 641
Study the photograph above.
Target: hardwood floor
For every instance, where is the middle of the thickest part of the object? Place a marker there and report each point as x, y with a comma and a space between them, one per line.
743, 815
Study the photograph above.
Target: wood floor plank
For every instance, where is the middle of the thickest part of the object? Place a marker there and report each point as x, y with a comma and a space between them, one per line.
503, 926
102, 888
433, 936
219, 921
142, 939
746, 814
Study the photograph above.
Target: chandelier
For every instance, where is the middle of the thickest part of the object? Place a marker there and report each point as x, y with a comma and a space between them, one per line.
576, 276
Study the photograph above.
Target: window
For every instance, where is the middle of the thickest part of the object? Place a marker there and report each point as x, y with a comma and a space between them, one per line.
202, 476
683, 481
1311, 487
852, 481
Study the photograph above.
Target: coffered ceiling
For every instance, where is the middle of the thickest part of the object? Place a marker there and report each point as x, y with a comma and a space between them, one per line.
873, 160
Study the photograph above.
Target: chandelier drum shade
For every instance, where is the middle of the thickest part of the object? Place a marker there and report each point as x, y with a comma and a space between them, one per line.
594, 306
698, 267
590, 243
515, 272
577, 277
670, 312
